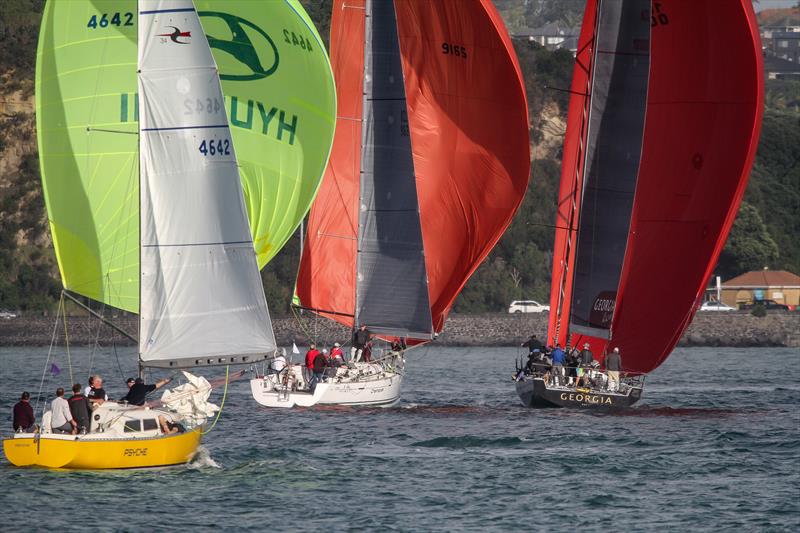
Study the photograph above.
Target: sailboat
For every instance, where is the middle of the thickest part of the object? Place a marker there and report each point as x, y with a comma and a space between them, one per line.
430, 162
198, 292
662, 131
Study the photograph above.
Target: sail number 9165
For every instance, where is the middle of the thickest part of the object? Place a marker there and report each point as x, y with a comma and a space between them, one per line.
212, 147
454, 50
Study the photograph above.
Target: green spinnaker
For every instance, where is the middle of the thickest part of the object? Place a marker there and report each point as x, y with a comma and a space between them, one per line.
281, 103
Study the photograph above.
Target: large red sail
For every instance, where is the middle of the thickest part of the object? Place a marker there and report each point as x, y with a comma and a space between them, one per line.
467, 117
326, 280
704, 108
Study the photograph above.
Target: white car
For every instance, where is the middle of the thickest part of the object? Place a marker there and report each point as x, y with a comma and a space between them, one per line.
527, 306
715, 306
7, 315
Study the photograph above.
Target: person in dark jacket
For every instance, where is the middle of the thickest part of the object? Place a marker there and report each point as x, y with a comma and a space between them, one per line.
137, 394
23, 414
80, 409
586, 355
533, 344
613, 367
360, 339
573, 360
319, 365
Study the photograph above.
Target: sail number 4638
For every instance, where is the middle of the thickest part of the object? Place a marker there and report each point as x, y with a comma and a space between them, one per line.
215, 147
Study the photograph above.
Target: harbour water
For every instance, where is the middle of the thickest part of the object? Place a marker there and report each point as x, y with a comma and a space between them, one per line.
713, 445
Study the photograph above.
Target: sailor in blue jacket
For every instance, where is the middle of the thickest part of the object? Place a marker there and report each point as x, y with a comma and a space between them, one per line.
558, 364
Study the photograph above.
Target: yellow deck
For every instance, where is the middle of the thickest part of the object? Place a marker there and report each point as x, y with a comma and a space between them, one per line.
53, 451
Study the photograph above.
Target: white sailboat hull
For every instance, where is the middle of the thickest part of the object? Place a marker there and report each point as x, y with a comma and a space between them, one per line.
383, 392
371, 385
266, 394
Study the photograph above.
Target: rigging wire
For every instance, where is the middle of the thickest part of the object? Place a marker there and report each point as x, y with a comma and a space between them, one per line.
49, 354
66, 338
221, 405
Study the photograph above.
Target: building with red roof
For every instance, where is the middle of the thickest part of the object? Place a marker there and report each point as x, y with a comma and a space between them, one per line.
779, 285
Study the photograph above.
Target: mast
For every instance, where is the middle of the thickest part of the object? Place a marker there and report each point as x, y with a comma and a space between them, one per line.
391, 277
577, 185
139, 363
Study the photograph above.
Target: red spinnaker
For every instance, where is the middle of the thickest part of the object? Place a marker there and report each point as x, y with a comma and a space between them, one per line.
704, 109
468, 122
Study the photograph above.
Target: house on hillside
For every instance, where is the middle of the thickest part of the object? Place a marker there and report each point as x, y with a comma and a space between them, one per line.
552, 36
778, 285
781, 69
786, 45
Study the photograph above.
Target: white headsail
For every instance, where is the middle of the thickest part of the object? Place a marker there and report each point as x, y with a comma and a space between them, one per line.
202, 301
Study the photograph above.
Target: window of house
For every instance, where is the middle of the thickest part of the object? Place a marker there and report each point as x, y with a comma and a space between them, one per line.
783, 44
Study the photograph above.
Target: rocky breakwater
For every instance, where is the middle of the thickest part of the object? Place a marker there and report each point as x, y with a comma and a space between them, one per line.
495, 329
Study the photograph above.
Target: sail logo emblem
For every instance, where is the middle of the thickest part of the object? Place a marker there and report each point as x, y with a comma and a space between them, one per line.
176, 34
251, 52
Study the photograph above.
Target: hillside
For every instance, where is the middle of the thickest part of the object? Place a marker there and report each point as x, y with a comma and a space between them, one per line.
765, 234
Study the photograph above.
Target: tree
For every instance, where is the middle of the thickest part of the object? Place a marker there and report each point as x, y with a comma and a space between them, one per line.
749, 247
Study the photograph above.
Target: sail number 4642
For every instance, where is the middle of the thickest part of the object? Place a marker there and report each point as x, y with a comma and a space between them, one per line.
117, 19
215, 147
295, 39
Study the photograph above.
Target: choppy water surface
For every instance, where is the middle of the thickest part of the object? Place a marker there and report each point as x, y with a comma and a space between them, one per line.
714, 444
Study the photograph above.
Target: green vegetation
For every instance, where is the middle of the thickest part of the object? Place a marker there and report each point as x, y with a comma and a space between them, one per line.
765, 233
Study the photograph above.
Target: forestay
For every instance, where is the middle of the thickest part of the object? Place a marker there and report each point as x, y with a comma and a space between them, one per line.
201, 296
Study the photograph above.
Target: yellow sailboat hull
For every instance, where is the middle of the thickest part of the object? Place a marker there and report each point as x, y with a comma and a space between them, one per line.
95, 454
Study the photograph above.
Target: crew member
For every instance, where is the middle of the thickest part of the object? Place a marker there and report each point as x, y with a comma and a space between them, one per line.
23, 414
319, 364
533, 344
311, 354
337, 355
139, 391
558, 357
97, 395
360, 340
80, 409
613, 367
586, 356
61, 420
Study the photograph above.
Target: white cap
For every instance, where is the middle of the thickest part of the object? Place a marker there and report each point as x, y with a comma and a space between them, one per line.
324, 350
616, 350
336, 344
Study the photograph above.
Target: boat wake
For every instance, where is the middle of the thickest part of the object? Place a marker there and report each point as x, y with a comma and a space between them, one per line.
202, 459
469, 441
694, 412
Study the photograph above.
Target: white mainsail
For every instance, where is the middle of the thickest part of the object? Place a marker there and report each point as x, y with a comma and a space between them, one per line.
202, 301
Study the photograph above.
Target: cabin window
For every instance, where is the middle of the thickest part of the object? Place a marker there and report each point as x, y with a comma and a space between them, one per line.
133, 425
149, 423
783, 44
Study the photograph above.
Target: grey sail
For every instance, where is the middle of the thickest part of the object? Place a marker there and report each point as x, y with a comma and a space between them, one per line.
391, 284
614, 144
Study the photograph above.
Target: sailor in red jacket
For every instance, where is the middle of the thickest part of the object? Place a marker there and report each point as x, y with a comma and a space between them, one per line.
310, 355
337, 355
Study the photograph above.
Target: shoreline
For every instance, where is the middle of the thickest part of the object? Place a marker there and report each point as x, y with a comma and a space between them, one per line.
723, 329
